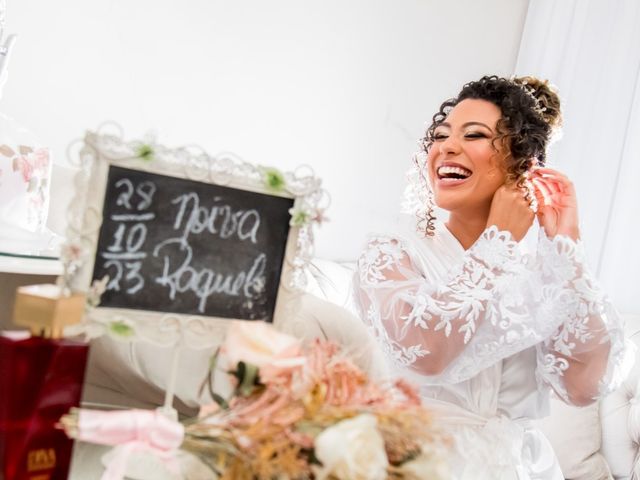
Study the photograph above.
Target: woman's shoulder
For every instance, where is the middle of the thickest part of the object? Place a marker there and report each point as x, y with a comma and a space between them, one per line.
400, 236
405, 241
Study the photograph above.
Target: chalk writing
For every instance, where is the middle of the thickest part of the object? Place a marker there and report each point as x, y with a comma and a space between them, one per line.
177, 245
219, 219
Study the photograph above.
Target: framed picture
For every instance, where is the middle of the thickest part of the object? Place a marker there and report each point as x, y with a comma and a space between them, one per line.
179, 241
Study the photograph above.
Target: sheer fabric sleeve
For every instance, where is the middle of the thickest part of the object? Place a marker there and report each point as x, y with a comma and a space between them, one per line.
492, 305
587, 356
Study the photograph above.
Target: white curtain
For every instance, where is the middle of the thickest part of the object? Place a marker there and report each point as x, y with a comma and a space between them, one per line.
590, 50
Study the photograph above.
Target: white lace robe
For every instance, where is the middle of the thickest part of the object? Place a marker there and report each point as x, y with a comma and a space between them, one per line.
486, 332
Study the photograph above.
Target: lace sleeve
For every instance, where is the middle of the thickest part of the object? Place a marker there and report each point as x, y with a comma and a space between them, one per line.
586, 357
491, 306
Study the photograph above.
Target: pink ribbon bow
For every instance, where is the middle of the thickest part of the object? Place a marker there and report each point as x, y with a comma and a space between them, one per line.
131, 431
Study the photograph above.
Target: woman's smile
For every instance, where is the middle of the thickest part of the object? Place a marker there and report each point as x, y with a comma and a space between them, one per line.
451, 174
465, 164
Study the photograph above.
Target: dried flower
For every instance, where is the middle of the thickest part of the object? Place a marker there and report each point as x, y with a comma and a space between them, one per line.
289, 422
318, 417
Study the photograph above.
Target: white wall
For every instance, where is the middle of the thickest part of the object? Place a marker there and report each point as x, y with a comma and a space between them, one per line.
345, 86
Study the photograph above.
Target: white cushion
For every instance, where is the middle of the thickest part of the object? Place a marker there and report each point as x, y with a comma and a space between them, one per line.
574, 433
620, 414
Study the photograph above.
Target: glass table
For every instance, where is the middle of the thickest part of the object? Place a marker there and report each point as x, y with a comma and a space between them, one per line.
29, 264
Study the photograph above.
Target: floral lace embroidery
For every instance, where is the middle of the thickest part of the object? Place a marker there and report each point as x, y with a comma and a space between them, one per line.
584, 308
392, 349
383, 253
496, 301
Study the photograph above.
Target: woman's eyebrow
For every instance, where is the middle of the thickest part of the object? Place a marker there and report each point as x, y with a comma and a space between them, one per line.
478, 123
467, 124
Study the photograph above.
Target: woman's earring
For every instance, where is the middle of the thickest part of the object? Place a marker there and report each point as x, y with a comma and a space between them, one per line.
429, 214
529, 192
426, 216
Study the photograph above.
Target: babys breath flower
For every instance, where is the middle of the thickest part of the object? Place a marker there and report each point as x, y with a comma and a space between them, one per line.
71, 256
71, 252
98, 287
352, 449
320, 217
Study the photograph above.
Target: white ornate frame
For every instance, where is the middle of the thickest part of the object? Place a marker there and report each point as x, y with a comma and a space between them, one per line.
106, 147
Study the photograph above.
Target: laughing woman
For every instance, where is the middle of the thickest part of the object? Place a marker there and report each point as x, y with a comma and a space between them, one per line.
484, 327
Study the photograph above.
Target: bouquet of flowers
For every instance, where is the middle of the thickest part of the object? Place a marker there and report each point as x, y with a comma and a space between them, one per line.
294, 413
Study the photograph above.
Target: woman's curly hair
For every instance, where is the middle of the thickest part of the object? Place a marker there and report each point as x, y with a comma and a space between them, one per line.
523, 131
530, 112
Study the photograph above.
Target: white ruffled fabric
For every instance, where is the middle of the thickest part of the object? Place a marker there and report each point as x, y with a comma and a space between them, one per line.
488, 331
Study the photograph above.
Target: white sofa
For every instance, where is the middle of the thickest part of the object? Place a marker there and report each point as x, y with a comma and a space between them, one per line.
593, 443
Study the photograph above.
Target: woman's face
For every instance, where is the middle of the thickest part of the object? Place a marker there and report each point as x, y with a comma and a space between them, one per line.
465, 167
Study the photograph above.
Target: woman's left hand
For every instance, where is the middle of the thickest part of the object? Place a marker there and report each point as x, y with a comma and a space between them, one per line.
557, 203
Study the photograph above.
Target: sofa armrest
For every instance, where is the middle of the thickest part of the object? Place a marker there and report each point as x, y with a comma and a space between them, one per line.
620, 416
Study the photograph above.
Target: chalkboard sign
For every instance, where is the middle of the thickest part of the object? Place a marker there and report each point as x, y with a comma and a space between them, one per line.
187, 240
176, 245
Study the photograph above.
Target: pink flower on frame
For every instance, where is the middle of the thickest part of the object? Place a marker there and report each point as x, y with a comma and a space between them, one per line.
25, 167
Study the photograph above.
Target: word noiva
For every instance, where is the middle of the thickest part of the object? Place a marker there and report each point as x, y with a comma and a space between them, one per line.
219, 219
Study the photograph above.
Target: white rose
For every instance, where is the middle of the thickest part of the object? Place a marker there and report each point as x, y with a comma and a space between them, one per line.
352, 449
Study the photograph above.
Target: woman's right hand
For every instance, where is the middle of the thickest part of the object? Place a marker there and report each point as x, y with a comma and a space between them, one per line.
510, 211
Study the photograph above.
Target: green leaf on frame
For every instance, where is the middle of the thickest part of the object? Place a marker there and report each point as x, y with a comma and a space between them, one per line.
121, 329
274, 179
299, 217
145, 152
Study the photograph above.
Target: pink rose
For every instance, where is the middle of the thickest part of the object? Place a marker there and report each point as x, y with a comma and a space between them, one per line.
260, 344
